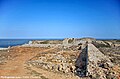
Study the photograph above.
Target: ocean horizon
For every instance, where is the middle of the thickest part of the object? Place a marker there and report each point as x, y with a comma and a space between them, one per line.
5, 43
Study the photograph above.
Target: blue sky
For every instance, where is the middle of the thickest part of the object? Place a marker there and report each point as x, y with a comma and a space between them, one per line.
59, 18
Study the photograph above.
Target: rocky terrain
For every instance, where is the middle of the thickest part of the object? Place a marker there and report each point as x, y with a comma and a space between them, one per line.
61, 61
111, 49
3, 56
70, 58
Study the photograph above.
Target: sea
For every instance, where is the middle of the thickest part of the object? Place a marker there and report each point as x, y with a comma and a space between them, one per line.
5, 43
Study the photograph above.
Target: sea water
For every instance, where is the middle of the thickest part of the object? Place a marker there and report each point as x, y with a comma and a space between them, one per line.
4, 43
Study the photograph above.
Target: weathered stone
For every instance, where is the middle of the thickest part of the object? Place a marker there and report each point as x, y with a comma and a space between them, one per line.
49, 66
98, 62
45, 67
72, 68
65, 65
66, 70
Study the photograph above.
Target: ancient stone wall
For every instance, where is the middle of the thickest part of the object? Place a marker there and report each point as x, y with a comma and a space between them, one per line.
98, 63
81, 63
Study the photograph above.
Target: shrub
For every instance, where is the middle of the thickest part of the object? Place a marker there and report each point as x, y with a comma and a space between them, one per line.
98, 45
45, 42
117, 40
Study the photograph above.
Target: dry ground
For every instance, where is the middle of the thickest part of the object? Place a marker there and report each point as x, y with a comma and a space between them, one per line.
16, 66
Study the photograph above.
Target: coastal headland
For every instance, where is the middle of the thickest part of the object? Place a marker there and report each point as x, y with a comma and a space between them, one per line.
71, 58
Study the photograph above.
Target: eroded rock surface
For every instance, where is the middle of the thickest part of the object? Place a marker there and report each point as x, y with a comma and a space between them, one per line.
61, 61
99, 65
76, 59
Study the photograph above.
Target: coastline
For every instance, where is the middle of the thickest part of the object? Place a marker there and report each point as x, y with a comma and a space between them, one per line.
3, 48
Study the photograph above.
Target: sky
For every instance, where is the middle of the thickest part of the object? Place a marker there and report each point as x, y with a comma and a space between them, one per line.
59, 19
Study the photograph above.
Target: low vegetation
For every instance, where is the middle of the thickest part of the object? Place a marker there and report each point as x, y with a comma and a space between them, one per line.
99, 45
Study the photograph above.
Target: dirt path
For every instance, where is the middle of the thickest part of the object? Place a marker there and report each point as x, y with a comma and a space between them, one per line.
16, 66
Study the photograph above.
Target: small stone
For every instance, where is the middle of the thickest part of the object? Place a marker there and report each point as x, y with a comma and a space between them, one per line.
72, 69
67, 70
45, 67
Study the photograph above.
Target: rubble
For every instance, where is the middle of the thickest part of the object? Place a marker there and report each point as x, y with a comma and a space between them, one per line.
79, 58
59, 62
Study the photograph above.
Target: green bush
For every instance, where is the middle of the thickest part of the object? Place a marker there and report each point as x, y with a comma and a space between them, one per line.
44, 42
98, 45
117, 40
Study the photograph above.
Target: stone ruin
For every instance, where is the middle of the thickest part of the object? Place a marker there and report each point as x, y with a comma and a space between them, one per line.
81, 63
69, 41
62, 62
98, 64
89, 62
